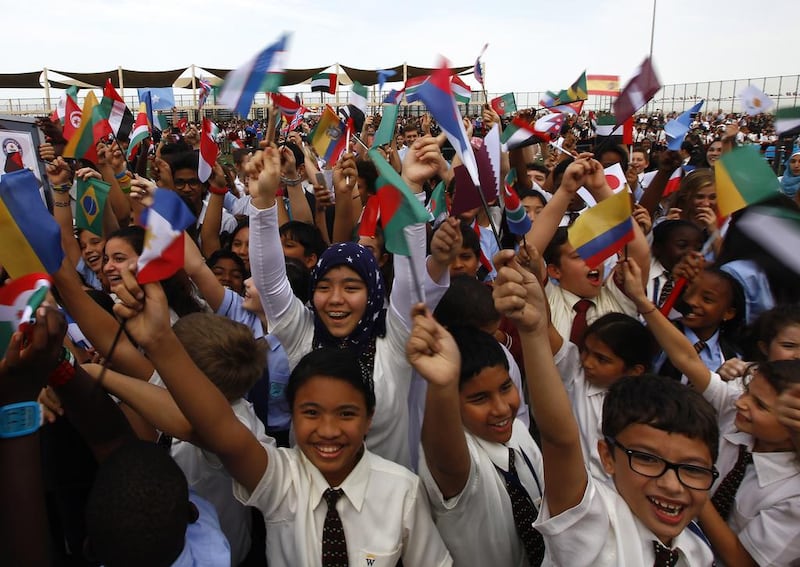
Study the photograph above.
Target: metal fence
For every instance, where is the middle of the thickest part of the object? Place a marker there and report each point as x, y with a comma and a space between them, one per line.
719, 95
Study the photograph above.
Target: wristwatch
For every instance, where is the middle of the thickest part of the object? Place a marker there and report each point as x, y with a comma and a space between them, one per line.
20, 419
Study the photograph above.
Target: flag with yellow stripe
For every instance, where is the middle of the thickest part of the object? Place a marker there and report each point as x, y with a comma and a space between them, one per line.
743, 177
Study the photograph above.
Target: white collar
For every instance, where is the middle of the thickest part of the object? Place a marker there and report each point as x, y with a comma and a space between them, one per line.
354, 486
775, 467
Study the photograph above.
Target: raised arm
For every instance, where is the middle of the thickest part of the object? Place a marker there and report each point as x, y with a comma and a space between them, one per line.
519, 296
202, 276
433, 353
347, 206
212, 222
98, 325
201, 402
675, 344
60, 177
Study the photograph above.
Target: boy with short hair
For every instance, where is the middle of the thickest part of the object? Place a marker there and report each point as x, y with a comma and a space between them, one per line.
582, 294
481, 468
661, 441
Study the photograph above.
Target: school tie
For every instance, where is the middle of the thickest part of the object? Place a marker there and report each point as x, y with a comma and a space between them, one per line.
334, 545
665, 557
579, 322
699, 346
669, 285
726, 492
524, 513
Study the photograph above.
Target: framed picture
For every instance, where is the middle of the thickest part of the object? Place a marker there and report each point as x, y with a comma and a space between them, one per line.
19, 148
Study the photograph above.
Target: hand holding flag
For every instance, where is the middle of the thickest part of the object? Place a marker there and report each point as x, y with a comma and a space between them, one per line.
164, 224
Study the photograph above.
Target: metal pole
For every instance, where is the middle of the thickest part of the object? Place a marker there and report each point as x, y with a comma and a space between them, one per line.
194, 93
653, 29
46, 89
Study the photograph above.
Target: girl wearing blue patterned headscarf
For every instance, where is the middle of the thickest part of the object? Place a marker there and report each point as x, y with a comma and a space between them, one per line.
372, 321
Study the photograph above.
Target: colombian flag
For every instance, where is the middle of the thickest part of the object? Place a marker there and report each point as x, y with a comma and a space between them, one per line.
30, 240
603, 230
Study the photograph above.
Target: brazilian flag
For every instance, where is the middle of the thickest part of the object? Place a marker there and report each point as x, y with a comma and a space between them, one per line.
91, 200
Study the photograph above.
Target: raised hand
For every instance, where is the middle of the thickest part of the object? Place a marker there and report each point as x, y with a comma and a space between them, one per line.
143, 308
446, 242
423, 160
632, 282
518, 294
431, 350
267, 164
345, 176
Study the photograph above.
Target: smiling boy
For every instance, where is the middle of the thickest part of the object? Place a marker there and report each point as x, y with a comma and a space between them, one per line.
481, 468
660, 444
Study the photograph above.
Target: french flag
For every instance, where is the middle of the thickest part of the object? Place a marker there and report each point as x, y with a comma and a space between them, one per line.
438, 97
164, 223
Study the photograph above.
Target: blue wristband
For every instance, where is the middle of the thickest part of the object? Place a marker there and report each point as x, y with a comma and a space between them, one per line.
20, 419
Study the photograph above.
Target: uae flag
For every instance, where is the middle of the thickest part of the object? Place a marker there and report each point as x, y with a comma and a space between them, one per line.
119, 115
787, 120
324, 82
504, 104
357, 105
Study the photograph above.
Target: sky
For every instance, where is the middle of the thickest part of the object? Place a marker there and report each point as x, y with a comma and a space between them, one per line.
533, 45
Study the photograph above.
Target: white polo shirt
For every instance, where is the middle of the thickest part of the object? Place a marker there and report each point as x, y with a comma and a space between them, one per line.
478, 524
766, 513
601, 531
385, 514
587, 405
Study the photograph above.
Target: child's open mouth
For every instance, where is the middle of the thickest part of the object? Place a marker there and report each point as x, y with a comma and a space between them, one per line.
594, 277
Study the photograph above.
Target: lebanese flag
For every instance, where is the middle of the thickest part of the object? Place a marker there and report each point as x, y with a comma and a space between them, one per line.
209, 151
164, 223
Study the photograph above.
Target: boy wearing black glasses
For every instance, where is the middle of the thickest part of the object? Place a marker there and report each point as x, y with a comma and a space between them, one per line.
659, 448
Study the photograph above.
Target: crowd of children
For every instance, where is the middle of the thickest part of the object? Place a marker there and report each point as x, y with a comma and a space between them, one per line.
298, 395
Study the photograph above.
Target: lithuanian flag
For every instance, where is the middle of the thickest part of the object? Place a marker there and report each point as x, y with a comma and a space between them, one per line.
743, 177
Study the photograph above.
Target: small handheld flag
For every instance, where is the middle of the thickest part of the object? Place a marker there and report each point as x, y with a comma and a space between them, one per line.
603, 230
640, 89
478, 69
19, 300
262, 72
90, 203
209, 151
743, 177
518, 220
164, 224
30, 240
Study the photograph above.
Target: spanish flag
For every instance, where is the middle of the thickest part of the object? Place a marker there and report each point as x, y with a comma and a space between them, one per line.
603, 230
743, 177
30, 240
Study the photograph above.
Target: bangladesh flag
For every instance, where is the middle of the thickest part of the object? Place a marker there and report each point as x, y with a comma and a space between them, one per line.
743, 177
90, 202
19, 300
504, 104
399, 207
438, 204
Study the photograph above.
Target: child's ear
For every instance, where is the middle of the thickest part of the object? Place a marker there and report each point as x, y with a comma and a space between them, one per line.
606, 457
310, 261
635, 370
194, 513
763, 347
729, 314
554, 271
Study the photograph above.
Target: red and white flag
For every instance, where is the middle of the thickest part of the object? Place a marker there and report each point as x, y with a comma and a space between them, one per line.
209, 151
164, 223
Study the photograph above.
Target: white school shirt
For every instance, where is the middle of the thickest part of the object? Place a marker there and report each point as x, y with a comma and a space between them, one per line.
293, 325
601, 531
384, 513
416, 406
766, 513
477, 525
208, 478
609, 300
587, 405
